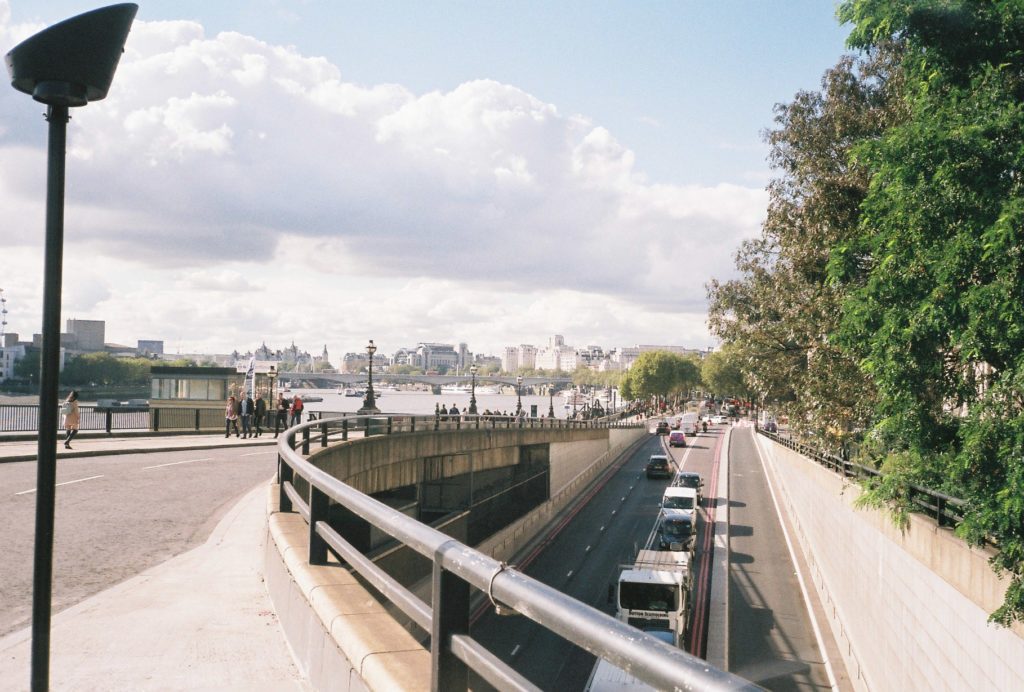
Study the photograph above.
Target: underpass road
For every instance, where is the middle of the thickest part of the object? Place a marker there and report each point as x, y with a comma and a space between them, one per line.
116, 516
584, 559
773, 641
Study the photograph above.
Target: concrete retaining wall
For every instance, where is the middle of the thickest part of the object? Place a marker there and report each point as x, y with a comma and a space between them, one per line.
342, 638
909, 609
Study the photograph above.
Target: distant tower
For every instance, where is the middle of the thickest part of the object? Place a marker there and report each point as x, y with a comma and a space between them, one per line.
324, 356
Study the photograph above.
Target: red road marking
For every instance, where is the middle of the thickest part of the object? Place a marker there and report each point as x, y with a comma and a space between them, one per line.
697, 630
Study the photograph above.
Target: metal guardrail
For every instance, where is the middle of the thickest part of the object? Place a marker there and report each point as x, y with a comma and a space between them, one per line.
944, 509
457, 569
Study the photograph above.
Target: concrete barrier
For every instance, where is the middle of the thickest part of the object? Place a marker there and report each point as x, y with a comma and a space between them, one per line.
342, 638
908, 608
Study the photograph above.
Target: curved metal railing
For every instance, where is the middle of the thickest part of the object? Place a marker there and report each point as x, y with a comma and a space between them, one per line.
457, 569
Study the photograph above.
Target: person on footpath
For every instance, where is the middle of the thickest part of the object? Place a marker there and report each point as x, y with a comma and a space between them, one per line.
261, 412
72, 418
231, 417
281, 416
245, 406
296, 411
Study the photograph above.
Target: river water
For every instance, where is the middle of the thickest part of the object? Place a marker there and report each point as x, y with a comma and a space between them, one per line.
422, 403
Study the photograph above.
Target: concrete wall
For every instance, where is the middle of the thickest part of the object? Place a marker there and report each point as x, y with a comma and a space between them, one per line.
342, 638
909, 609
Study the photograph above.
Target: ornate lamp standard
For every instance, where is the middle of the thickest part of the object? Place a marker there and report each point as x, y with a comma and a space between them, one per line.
575, 396
519, 394
369, 404
551, 401
472, 390
64, 66
272, 375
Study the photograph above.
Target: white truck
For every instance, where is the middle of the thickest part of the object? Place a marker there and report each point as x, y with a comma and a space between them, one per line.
654, 593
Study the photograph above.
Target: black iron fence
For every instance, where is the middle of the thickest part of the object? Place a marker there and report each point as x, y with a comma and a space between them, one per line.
458, 570
944, 509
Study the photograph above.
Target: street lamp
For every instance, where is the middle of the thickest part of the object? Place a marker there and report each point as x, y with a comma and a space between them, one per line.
64, 66
369, 405
575, 396
519, 394
272, 375
551, 401
472, 390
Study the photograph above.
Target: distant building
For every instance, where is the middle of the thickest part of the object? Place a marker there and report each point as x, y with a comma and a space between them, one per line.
437, 356
521, 357
150, 348
9, 355
86, 335
557, 356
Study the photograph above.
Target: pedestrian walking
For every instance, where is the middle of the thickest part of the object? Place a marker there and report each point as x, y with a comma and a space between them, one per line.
72, 418
296, 410
261, 412
246, 408
281, 415
231, 416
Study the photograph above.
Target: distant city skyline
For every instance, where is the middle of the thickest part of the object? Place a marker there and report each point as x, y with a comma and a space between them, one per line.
275, 170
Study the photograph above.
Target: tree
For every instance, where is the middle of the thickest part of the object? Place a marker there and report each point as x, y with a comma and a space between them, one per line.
722, 373
936, 318
783, 310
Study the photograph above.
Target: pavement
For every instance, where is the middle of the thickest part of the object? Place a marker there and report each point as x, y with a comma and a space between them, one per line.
200, 621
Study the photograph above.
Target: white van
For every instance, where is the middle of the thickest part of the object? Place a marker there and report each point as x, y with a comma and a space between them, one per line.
689, 423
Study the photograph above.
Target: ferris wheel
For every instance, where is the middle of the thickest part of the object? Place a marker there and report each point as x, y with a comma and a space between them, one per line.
3, 316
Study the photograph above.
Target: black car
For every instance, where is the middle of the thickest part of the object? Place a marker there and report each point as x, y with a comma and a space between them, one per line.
658, 466
662, 428
690, 479
675, 531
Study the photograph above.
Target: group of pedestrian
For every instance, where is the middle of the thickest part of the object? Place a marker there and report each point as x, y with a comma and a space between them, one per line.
252, 412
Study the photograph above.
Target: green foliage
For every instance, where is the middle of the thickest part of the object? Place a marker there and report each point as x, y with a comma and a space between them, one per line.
659, 373
104, 369
935, 270
722, 373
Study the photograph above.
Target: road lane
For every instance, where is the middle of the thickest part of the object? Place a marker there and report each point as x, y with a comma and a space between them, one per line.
584, 559
772, 638
134, 512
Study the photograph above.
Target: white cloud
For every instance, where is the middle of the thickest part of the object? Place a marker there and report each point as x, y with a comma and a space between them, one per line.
230, 191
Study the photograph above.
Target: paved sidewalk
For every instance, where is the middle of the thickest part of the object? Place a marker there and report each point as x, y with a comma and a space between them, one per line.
200, 621
98, 444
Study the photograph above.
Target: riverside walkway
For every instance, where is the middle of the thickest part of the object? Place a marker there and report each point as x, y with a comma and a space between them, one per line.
199, 621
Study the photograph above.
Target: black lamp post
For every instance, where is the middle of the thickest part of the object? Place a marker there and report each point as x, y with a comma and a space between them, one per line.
575, 396
272, 375
551, 401
369, 404
519, 394
472, 390
64, 66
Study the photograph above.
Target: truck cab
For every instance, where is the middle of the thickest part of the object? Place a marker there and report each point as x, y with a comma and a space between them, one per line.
654, 593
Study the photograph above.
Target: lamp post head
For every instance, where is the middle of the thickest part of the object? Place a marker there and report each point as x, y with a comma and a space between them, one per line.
472, 369
371, 349
72, 62
519, 379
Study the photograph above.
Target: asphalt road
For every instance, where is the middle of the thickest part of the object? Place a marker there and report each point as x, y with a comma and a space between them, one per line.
116, 516
772, 640
583, 560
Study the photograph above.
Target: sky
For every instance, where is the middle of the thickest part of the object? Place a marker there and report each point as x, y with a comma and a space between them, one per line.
325, 172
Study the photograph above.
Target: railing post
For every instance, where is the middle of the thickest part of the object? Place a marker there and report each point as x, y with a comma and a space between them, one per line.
110, 420
323, 434
412, 423
197, 420
305, 440
390, 420
319, 506
344, 429
450, 604
285, 475
156, 420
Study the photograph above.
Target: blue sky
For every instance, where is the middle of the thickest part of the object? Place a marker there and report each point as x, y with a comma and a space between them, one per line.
621, 122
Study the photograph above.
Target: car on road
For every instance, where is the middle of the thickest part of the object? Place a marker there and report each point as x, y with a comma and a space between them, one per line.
677, 438
690, 479
659, 466
771, 426
662, 428
681, 498
719, 419
676, 531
